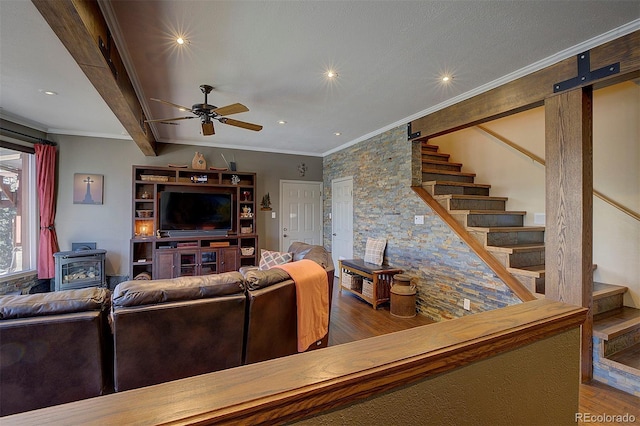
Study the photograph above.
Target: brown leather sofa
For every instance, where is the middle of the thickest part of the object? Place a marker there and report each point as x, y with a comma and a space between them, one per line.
271, 324
53, 348
171, 329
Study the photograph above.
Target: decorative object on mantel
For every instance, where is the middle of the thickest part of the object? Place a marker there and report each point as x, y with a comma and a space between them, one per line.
235, 179
218, 169
265, 203
302, 169
232, 164
178, 166
198, 162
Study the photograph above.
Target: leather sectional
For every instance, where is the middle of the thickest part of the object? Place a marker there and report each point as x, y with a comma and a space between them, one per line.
55, 351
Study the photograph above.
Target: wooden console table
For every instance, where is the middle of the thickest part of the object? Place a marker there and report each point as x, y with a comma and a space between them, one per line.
379, 276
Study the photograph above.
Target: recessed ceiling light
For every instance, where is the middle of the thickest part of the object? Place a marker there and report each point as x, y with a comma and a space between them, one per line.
331, 74
180, 40
446, 78
48, 92
337, 133
282, 122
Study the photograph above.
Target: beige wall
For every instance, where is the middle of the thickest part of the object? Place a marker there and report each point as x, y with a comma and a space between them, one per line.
489, 392
109, 224
616, 171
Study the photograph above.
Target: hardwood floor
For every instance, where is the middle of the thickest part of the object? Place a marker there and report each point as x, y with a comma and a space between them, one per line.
353, 319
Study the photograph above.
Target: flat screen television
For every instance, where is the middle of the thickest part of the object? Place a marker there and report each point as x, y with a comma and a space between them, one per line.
195, 213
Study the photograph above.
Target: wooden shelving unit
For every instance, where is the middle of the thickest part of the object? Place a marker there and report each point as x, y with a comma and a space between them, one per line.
166, 257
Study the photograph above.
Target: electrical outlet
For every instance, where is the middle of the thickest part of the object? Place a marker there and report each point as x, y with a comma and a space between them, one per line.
273, 215
418, 219
467, 304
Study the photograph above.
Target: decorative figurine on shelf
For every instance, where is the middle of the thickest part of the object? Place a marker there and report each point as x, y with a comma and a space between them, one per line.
235, 179
246, 195
198, 161
265, 203
246, 212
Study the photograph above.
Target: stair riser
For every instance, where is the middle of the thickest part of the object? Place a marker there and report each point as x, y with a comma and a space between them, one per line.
429, 155
458, 190
534, 285
429, 148
489, 220
427, 176
514, 237
519, 260
607, 304
448, 167
457, 204
619, 343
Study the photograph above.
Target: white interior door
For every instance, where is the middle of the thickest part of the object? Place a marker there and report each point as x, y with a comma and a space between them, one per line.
341, 220
301, 217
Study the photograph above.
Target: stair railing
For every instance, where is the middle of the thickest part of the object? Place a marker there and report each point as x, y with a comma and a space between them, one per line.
537, 159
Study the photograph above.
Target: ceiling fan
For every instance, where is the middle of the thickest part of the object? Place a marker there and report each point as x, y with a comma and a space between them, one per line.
207, 113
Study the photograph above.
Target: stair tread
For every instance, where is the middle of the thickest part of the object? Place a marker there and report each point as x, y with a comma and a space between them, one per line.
601, 290
535, 271
629, 356
448, 172
502, 212
427, 161
506, 228
617, 322
453, 183
435, 154
469, 197
513, 248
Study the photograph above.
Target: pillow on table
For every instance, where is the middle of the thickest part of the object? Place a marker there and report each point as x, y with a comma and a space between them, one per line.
269, 259
374, 250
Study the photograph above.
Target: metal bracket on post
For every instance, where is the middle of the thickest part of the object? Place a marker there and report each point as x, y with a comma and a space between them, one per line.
585, 75
412, 135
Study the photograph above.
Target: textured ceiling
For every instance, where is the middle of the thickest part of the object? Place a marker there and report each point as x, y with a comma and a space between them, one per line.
271, 56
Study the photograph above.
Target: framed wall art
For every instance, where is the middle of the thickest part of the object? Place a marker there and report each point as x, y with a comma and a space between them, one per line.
87, 188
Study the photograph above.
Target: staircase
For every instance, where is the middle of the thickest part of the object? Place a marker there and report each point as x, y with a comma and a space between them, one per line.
520, 250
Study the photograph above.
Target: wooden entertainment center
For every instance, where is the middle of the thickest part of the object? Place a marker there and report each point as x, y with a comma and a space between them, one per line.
191, 252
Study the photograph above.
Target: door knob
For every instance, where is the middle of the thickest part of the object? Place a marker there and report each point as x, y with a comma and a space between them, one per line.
285, 235
334, 234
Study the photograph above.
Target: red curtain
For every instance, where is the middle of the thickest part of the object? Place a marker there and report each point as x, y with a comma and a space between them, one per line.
45, 176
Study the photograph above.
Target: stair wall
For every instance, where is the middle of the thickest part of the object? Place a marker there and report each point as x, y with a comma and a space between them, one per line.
447, 271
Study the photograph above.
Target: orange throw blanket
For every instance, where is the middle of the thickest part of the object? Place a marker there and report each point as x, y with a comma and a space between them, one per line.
312, 297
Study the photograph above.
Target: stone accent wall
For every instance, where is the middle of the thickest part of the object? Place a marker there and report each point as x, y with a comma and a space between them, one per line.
21, 285
383, 168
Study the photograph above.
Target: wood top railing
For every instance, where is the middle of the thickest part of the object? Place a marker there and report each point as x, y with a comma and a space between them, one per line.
302, 385
541, 161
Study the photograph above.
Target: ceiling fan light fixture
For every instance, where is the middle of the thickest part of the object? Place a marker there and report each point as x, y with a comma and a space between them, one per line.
282, 122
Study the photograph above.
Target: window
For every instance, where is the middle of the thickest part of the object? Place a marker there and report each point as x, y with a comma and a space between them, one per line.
18, 210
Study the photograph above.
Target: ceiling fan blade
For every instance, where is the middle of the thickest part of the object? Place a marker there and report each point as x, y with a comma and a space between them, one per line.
180, 107
207, 129
243, 124
168, 119
230, 109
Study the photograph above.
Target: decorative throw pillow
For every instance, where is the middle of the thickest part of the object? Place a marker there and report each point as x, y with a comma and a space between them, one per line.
374, 251
269, 259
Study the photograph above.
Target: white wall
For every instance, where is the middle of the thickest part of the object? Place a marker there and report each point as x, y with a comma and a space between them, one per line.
616, 173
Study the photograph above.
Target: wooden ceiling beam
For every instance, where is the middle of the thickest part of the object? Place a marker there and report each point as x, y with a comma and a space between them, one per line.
82, 29
531, 90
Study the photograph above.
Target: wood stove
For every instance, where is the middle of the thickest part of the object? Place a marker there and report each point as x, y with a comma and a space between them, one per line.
79, 269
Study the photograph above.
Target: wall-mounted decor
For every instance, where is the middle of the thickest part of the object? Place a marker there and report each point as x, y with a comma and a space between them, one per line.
87, 188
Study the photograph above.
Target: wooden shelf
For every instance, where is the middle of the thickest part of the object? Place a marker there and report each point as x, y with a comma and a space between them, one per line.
152, 181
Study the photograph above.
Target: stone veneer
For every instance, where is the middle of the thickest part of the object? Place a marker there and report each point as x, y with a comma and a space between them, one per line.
21, 285
383, 168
